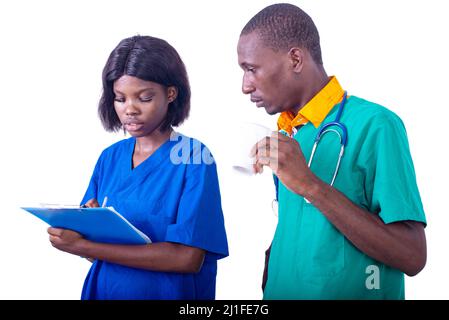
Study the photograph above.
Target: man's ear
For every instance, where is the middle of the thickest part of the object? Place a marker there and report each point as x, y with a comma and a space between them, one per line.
172, 93
297, 56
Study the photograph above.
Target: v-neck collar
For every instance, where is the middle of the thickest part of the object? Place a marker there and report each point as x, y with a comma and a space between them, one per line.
150, 162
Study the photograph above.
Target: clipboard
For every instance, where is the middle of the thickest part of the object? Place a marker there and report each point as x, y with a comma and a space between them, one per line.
96, 224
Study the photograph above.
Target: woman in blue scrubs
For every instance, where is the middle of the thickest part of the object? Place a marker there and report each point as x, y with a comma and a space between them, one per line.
163, 182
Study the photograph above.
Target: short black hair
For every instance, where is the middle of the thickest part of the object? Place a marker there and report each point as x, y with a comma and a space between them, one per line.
149, 59
284, 25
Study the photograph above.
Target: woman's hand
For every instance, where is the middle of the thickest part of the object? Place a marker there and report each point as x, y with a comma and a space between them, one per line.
66, 240
92, 203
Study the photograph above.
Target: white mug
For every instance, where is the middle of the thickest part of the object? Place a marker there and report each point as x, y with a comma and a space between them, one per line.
243, 137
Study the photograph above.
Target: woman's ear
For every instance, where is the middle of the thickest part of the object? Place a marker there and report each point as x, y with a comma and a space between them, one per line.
172, 93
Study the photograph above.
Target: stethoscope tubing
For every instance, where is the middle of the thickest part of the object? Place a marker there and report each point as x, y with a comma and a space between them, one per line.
322, 131
343, 138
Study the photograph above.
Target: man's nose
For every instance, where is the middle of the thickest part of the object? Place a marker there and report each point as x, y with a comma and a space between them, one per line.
247, 86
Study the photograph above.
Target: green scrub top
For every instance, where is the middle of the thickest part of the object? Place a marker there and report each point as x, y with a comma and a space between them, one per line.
310, 258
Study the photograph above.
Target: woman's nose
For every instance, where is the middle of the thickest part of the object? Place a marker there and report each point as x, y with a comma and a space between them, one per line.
130, 108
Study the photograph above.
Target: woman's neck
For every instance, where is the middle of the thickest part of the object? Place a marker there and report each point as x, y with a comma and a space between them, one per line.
148, 144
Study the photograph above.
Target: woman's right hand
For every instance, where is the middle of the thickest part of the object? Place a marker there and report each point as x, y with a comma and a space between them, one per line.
92, 203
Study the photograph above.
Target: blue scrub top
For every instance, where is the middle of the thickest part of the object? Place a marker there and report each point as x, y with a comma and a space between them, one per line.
172, 196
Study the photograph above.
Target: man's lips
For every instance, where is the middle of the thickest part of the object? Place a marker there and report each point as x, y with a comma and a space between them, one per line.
257, 101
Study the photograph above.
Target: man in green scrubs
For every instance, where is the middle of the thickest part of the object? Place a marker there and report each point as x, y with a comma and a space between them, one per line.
356, 238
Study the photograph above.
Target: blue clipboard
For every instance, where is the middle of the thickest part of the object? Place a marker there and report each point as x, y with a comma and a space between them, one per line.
96, 224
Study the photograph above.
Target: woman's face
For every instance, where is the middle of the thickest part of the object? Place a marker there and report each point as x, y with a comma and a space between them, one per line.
141, 105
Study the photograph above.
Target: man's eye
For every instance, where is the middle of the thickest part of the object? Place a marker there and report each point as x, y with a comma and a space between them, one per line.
250, 69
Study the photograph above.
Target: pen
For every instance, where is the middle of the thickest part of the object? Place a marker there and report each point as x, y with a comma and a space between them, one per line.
104, 202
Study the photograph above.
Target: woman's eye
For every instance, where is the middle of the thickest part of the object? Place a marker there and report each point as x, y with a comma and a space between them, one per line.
146, 99
120, 100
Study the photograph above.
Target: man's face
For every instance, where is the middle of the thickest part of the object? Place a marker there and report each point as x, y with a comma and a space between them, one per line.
266, 74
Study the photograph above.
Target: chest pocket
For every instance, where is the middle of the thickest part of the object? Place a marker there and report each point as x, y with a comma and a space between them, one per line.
323, 254
148, 215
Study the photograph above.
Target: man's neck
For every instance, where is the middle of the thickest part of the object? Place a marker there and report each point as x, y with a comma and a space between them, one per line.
317, 80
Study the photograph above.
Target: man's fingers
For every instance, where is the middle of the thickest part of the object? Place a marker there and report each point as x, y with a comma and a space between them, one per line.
253, 151
261, 144
280, 136
266, 151
258, 168
265, 146
263, 161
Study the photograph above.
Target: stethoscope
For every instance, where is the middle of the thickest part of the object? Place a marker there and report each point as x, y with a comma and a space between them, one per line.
343, 136
328, 127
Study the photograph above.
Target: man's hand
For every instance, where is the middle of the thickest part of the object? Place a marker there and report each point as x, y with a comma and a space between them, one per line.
284, 156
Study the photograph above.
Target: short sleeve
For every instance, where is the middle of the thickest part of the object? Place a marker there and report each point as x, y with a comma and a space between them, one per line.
200, 221
92, 189
390, 181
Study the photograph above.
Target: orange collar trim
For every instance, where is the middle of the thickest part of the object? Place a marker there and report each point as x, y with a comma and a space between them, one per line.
315, 110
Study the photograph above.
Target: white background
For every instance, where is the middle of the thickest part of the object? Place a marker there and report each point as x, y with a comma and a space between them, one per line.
52, 53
